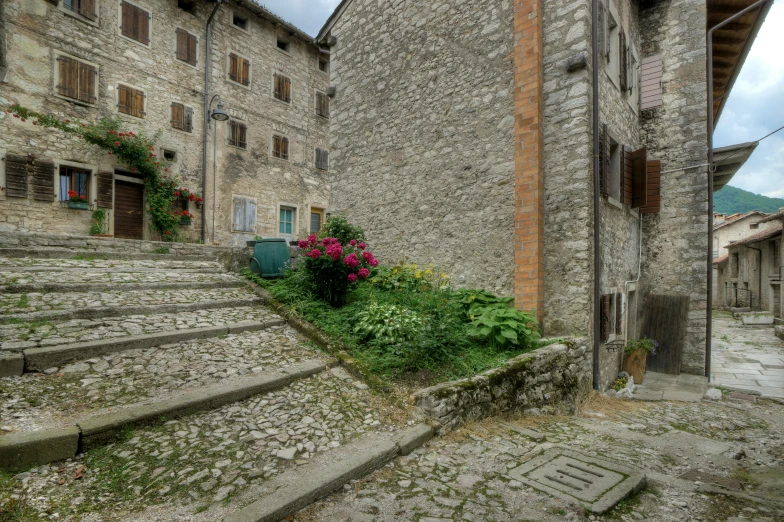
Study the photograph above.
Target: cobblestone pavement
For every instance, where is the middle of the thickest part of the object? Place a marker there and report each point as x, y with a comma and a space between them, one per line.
112, 277
11, 304
465, 475
121, 265
19, 336
57, 397
188, 464
749, 358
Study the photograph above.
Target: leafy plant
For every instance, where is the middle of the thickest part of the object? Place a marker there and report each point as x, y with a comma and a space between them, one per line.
410, 277
388, 323
161, 250
75, 197
99, 225
502, 325
339, 227
620, 383
649, 345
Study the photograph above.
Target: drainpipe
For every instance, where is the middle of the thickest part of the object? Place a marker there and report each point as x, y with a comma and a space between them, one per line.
597, 271
711, 170
207, 59
759, 278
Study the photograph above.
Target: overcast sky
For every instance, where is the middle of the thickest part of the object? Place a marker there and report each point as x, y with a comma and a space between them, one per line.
755, 106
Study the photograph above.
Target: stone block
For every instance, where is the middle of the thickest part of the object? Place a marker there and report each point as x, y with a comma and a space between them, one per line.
23, 450
11, 364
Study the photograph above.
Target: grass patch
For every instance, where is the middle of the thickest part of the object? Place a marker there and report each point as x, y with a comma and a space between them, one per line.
161, 250
22, 303
437, 346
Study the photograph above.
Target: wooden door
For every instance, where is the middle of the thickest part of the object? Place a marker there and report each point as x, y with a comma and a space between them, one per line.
128, 210
665, 319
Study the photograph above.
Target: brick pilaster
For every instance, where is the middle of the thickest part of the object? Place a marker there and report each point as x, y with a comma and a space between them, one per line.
529, 146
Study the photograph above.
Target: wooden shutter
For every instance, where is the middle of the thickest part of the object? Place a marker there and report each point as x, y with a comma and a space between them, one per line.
87, 75
602, 29
188, 120
653, 197
626, 176
284, 148
623, 74
105, 189
250, 215
87, 9
43, 180
604, 161
16, 176
322, 104
68, 77
177, 116
143, 26
123, 99
639, 177
286, 90
182, 45
651, 78
276, 87
138, 103
242, 135
245, 72
276, 146
606, 310
192, 46
233, 133
618, 314
606, 28
234, 68
239, 214
128, 22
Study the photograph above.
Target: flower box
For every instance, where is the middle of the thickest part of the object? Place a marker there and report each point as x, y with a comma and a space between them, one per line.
81, 205
757, 318
185, 221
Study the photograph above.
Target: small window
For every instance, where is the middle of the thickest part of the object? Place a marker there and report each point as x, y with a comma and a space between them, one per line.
181, 117
239, 69
286, 226
130, 101
135, 23
615, 181
612, 317
169, 155
189, 6
85, 8
238, 134
240, 21
280, 147
244, 215
76, 80
187, 45
316, 218
76, 181
283, 45
322, 104
322, 159
754, 226
281, 88
323, 65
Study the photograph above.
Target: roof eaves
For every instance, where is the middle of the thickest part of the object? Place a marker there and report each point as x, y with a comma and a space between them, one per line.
765, 234
332, 20
265, 13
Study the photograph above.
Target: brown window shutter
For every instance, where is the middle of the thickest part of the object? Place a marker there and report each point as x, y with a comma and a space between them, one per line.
188, 120
143, 26
233, 67
618, 314
68, 80
105, 189
639, 178
653, 203
286, 90
284, 148
87, 75
276, 90
43, 180
177, 116
16, 176
232, 127
138, 103
128, 20
182, 45
192, 46
602, 29
606, 309
276, 146
651, 82
626, 176
604, 161
123, 99
245, 72
242, 135
87, 9
622, 61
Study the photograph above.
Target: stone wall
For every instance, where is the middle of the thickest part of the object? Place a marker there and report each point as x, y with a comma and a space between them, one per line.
549, 380
676, 239
422, 134
37, 32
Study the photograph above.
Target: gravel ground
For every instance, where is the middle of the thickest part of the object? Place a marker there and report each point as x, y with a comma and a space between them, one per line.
187, 464
60, 395
51, 333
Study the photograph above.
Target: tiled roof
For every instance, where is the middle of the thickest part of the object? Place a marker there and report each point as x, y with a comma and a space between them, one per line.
721, 260
777, 215
737, 217
765, 234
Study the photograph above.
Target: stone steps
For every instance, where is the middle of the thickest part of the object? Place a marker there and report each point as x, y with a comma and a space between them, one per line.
103, 280
27, 264
62, 253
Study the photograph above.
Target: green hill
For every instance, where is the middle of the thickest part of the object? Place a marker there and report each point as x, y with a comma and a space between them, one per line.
730, 200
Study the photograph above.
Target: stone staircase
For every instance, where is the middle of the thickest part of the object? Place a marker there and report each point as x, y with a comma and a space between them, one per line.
166, 373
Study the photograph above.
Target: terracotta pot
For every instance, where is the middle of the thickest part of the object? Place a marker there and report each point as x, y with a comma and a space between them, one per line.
634, 364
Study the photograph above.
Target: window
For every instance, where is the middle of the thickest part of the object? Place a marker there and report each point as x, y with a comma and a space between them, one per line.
286, 226
85, 8
189, 6
281, 88
609, 165
244, 214
316, 218
130, 101
186, 46
237, 20
280, 147
754, 226
239, 69
775, 258
283, 45
169, 155
238, 134
74, 179
612, 317
609, 34
135, 23
181, 117
323, 65
76, 80
322, 104
623, 62
322, 159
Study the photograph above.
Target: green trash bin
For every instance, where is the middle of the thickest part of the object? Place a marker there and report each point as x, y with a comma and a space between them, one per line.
269, 257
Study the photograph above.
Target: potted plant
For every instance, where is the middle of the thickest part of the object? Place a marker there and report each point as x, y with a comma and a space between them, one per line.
196, 198
186, 218
637, 351
75, 200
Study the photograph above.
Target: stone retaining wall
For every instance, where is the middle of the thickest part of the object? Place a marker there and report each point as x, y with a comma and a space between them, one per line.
780, 332
549, 380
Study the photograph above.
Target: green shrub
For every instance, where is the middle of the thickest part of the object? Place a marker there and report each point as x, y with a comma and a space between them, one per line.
339, 227
502, 325
388, 323
409, 277
99, 225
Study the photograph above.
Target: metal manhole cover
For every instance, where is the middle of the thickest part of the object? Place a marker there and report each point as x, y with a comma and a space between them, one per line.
596, 484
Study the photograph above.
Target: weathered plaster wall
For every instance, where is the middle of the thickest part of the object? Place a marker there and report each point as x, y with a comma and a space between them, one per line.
422, 133
675, 239
756, 271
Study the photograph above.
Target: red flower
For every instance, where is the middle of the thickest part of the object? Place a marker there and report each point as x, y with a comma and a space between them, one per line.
66, 121
24, 119
116, 143
109, 152
165, 170
83, 125
35, 123
199, 200
192, 197
133, 169
168, 233
176, 193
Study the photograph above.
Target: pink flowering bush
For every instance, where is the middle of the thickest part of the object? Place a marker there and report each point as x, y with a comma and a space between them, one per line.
331, 267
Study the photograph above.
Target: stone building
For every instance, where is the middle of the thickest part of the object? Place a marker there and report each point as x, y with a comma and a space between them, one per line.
464, 135
266, 169
749, 275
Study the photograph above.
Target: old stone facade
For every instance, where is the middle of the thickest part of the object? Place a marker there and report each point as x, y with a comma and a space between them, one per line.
248, 191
